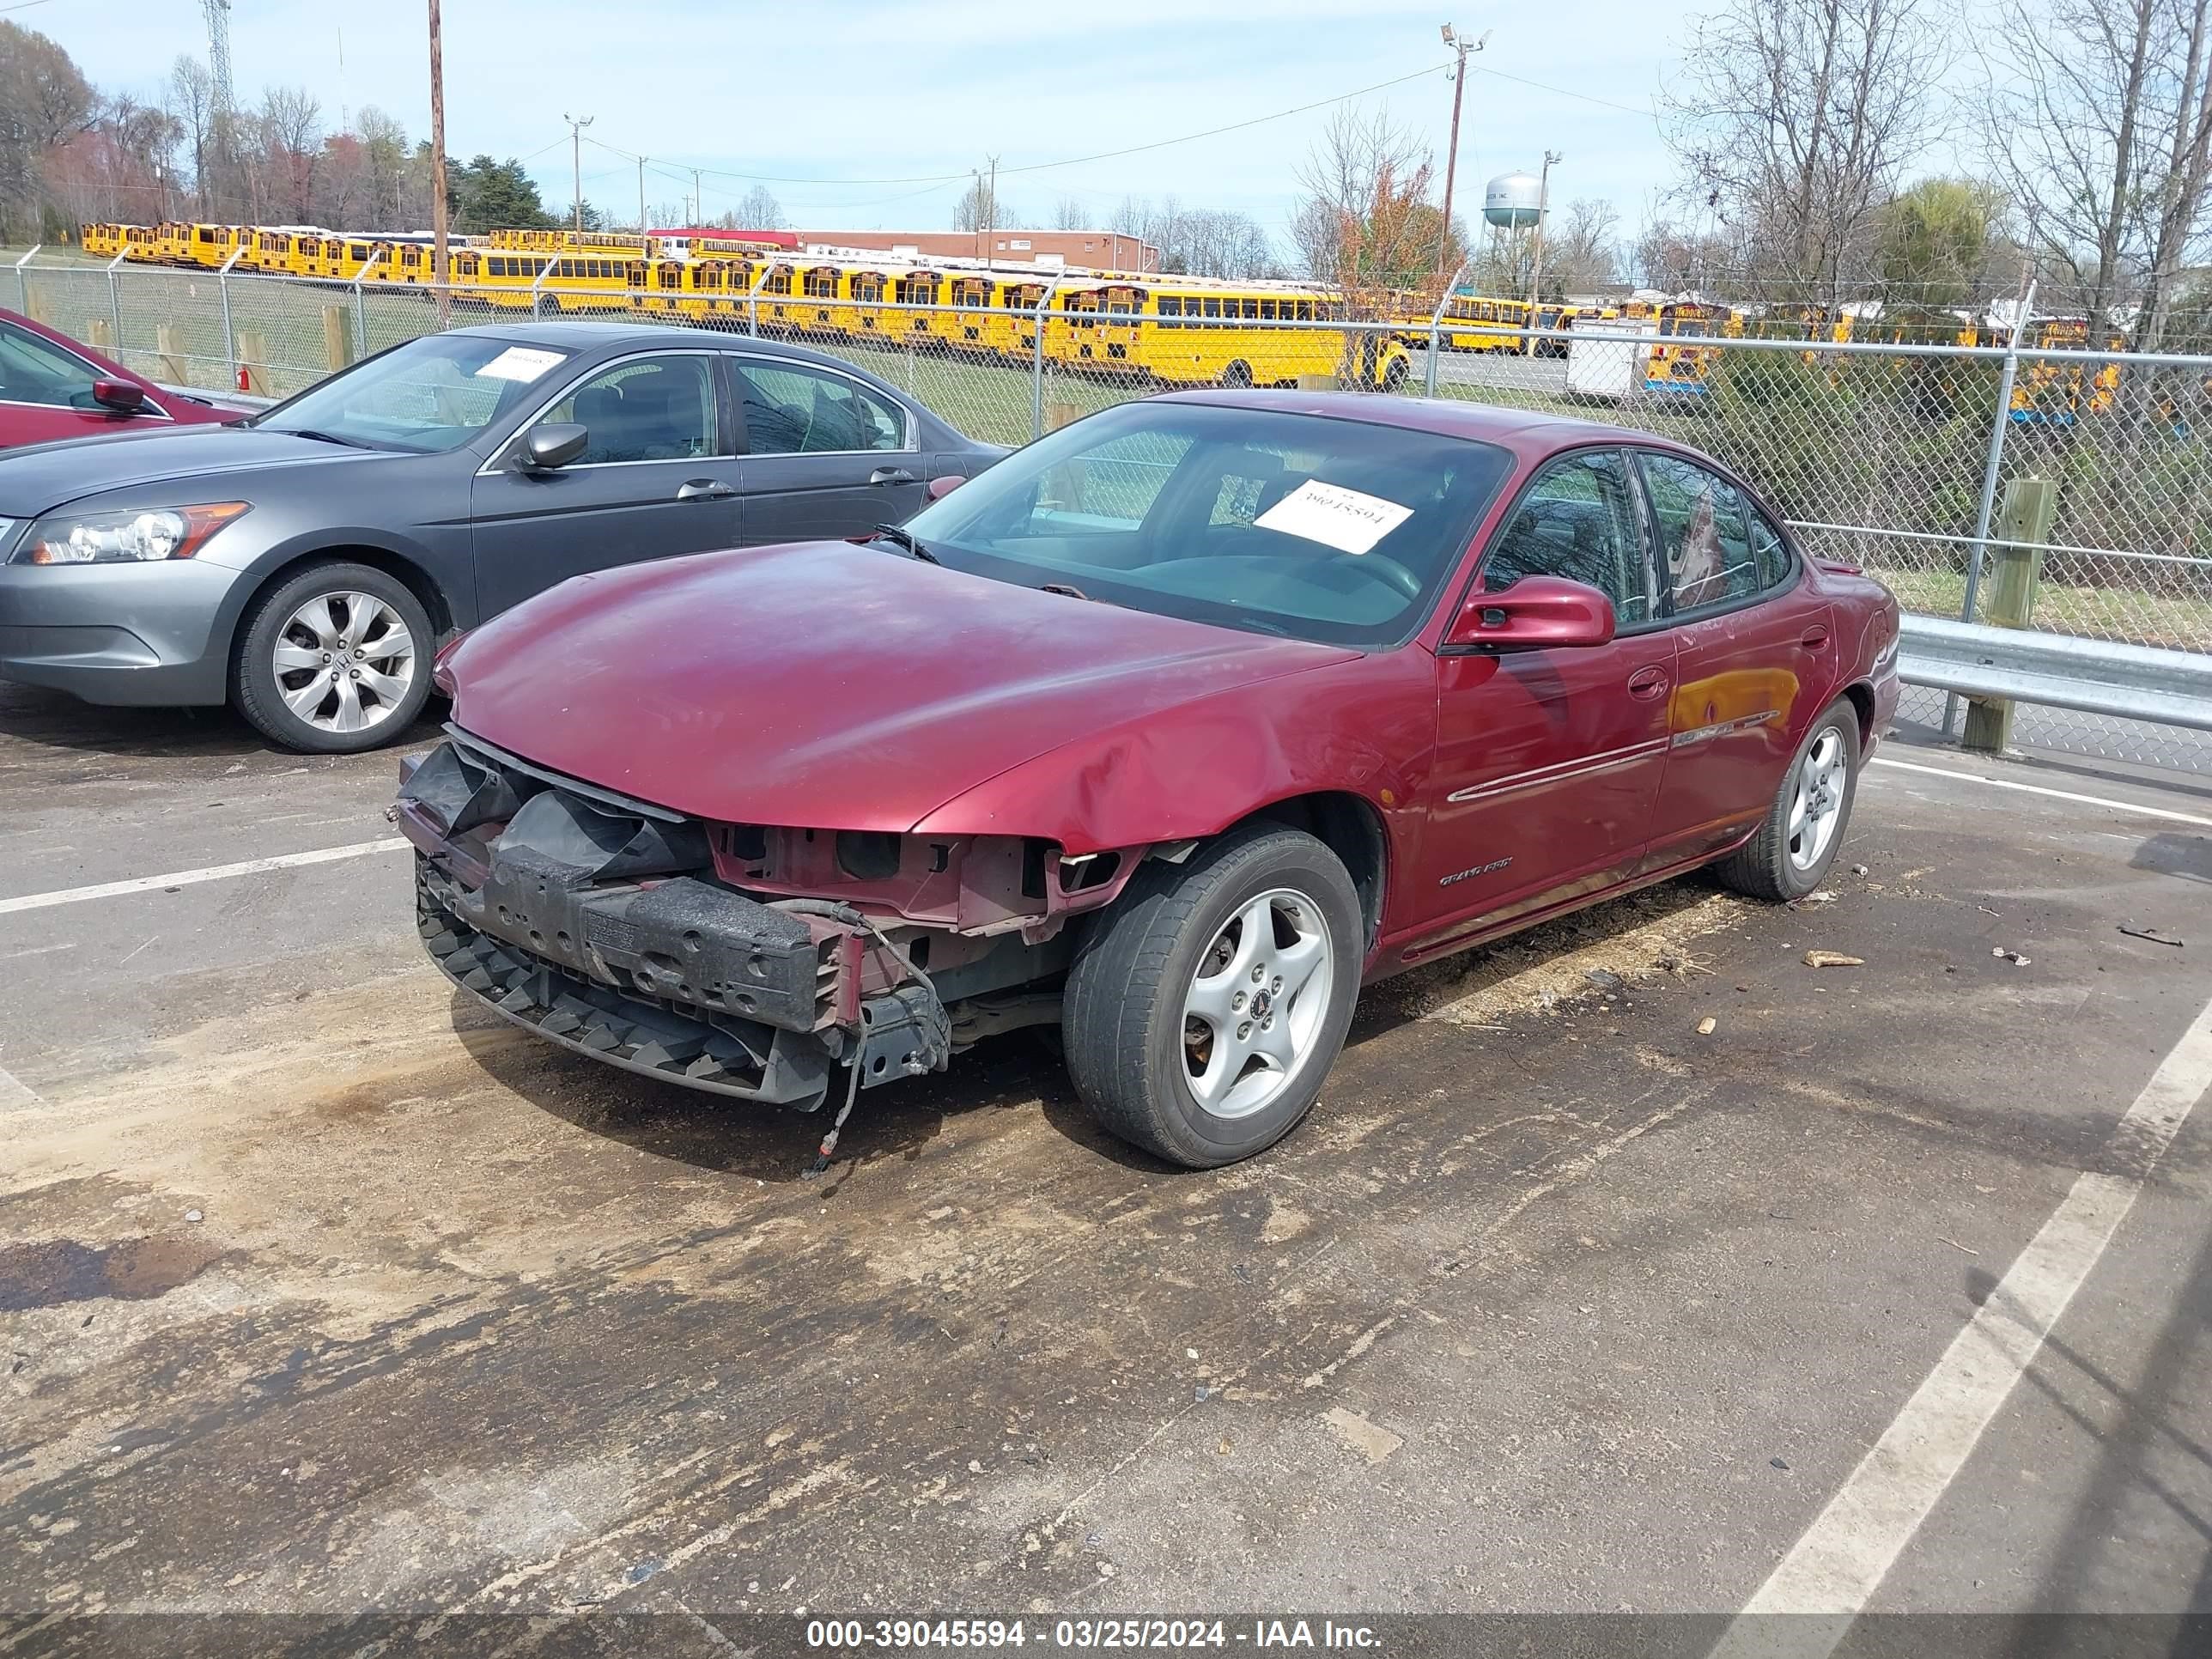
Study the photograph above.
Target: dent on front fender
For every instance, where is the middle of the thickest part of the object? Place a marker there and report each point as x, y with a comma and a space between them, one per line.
1365, 726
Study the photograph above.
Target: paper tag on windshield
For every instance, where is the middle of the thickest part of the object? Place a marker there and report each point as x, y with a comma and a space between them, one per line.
518, 364
1336, 517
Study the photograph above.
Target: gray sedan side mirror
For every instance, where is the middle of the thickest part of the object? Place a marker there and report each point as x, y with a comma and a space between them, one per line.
553, 445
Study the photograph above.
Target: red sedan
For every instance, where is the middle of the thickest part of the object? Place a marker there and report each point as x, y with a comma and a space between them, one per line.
1172, 729
51, 387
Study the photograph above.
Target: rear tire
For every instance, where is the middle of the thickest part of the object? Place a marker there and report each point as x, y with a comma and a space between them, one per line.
1236, 374
1172, 1041
349, 632
1798, 839
1394, 375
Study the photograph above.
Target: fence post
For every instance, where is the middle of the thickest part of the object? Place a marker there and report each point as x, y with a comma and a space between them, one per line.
173, 358
253, 361
2023, 529
223, 282
115, 304
544, 271
23, 279
99, 335
1990, 467
1037, 369
752, 301
360, 314
337, 345
1435, 320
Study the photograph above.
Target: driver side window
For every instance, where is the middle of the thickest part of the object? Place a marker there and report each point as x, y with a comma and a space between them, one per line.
645, 409
1578, 520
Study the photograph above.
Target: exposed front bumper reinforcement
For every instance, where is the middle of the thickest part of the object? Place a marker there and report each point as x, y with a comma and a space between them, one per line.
587, 924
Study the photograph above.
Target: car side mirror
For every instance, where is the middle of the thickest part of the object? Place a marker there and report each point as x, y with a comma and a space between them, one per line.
1534, 613
118, 397
553, 445
941, 487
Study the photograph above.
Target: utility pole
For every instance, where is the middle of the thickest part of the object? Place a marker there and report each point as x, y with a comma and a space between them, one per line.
991, 208
1536, 266
641, 195
1453, 39
576, 159
698, 207
438, 168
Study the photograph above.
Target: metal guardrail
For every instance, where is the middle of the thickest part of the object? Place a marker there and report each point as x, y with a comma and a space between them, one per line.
2092, 677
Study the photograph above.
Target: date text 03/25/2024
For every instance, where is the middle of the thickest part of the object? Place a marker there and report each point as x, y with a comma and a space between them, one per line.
1087, 1633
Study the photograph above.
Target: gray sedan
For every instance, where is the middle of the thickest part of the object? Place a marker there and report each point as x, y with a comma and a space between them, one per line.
304, 566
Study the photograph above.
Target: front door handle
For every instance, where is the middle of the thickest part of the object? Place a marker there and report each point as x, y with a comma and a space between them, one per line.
1814, 637
1647, 683
890, 475
705, 489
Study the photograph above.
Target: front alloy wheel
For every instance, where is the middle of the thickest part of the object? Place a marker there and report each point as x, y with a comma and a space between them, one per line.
1253, 1018
344, 662
334, 661
1205, 1006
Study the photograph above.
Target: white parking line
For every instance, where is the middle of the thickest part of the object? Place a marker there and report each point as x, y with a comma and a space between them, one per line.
1835, 1567
2039, 789
188, 877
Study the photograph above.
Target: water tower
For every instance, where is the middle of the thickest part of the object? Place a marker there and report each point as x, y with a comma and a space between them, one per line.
1513, 201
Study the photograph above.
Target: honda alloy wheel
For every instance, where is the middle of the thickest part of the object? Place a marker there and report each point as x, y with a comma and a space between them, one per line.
335, 659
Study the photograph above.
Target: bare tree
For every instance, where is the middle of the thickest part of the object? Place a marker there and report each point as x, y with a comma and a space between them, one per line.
1365, 224
191, 105
979, 209
291, 132
384, 169
758, 210
1582, 253
1795, 119
1068, 213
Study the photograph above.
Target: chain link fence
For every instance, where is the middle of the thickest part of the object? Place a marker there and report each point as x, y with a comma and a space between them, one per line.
1901, 458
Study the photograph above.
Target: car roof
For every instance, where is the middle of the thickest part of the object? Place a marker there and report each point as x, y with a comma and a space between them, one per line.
590, 337
1526, 432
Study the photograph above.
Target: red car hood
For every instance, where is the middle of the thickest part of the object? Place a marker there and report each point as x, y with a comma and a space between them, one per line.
826, 685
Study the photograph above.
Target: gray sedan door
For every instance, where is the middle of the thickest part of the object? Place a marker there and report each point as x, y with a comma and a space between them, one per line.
826, 456
656, 479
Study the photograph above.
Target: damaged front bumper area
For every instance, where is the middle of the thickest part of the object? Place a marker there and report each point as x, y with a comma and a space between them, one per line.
594, 921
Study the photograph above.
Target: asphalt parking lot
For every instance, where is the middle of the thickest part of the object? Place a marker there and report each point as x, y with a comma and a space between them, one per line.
321, 1290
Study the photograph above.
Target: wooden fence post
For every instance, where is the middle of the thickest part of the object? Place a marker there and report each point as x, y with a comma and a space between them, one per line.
172, 359
337, 337
99, 334
1058, 415
253, 361
40, 308
1316, 382
2011, 577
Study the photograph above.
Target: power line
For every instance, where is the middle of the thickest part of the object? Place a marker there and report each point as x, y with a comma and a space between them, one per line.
1068, 161
1562, 92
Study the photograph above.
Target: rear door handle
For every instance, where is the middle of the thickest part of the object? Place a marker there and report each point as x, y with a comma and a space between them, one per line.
1647, 683
890, 475
1814, 637
705, 489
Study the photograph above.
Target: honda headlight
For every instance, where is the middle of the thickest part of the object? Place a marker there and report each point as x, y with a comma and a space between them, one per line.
134, 536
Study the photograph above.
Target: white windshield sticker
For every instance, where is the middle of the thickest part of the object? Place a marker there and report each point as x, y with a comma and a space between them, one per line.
524, 363
1336, 517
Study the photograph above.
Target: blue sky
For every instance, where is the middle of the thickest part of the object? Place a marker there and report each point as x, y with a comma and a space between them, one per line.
827, 100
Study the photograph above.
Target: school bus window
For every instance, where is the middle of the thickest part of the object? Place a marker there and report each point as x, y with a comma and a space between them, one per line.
1213, 307
1252, 309
1170, 306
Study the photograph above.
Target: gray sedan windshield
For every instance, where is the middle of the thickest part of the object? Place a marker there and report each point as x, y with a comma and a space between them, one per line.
430, 394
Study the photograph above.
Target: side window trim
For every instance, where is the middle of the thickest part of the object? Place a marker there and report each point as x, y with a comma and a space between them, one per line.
909, 434
502, 454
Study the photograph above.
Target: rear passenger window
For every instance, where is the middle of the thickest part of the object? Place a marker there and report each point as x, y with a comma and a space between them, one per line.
1578, 521
1704, 548
1769, 552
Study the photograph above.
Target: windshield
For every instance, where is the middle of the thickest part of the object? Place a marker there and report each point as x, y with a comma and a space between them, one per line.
429, 394
1332, 531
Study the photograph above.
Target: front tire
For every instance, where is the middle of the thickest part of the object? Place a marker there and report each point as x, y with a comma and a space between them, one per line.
334, 661
1206, 1007
1798, 840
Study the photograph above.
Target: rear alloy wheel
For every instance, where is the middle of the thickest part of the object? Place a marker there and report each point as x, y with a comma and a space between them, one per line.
1796, 841
334, 661
1206, 1007
1395, 374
